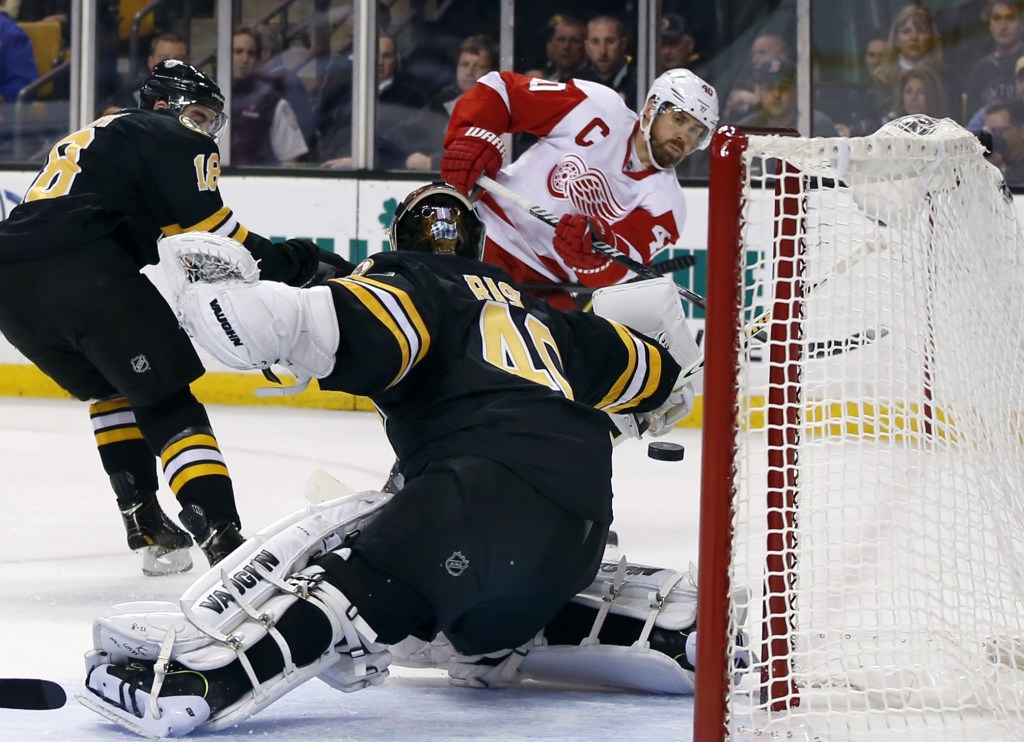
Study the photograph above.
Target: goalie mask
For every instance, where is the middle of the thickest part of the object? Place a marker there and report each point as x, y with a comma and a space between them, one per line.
437, 218
182, 85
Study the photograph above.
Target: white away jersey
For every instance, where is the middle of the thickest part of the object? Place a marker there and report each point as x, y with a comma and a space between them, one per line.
581, 164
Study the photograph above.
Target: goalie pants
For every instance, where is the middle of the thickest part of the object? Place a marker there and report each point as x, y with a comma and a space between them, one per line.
470, 549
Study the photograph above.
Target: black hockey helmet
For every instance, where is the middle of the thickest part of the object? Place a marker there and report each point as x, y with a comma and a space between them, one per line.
437, 218
181, 84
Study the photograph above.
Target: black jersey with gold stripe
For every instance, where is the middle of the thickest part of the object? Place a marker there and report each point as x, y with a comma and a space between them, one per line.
459, 362
129, 177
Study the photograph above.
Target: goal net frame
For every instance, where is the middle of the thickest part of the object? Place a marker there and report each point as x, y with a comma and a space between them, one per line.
884, 190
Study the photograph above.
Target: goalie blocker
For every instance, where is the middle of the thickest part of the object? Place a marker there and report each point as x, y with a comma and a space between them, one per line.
268, 618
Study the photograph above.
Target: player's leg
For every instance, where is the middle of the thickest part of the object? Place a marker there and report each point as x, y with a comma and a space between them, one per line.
135, 341
494, 558
46, 333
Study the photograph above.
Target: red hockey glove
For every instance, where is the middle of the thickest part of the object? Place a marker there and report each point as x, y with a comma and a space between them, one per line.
573, 242
476, 151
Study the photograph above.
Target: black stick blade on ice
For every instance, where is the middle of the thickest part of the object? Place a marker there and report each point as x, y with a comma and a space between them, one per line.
31, 694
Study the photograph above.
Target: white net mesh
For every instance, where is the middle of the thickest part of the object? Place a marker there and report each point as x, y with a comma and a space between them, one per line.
893, 464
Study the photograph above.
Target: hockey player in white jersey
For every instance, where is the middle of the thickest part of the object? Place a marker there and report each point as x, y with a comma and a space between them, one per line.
599, 167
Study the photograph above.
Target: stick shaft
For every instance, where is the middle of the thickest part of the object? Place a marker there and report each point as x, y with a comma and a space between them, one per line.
497, 189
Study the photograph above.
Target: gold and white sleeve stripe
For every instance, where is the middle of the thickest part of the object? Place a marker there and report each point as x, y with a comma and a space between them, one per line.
222, 222
639, 379
396, 311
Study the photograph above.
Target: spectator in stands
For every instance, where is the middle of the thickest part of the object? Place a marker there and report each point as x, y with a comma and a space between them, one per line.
742, 102
977, 121
264, 129
995, 121
564, 37
775, 84
287, 84
607, 61
767, 46
867, 102
676, 45
920, 93
992, 77
477, 56
874, 55
1008, 144
161, 48
403, 120
17, 63
913, 42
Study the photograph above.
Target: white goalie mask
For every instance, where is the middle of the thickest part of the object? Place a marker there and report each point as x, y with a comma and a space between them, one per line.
680, 88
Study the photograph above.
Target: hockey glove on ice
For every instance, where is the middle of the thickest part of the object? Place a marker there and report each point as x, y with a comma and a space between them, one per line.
476, 151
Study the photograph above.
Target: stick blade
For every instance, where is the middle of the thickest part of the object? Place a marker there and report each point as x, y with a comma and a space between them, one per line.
322, 487
32, 694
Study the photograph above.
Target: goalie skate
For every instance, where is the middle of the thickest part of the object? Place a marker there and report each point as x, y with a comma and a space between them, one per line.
115, 698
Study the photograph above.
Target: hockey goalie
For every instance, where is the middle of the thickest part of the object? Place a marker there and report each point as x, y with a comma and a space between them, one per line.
488, 561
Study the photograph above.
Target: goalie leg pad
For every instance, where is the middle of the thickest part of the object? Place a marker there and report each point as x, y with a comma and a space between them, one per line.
231, 608
134, 631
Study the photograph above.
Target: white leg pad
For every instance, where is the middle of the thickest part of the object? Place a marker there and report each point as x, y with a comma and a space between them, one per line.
232, 607
252, 572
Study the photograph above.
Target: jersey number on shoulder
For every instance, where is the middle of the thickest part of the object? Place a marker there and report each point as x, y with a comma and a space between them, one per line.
207, 171
61, 168
507, 346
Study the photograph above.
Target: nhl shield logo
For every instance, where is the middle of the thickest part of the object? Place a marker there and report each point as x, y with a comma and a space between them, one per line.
140, 364
456, 564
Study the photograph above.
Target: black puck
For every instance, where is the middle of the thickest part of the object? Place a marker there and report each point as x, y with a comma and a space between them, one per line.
665, 451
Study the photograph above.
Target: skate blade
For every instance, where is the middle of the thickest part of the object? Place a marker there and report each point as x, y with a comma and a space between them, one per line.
122, 718
158, 562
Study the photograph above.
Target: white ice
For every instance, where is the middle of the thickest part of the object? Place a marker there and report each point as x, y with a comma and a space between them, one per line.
63, 561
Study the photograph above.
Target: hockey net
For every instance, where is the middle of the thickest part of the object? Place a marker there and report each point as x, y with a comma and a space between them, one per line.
862, 507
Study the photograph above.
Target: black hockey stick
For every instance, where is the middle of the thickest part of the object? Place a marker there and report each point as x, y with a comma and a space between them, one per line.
493, 186
32, 694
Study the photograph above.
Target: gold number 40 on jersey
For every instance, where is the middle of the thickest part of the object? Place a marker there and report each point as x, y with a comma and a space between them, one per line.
505, 346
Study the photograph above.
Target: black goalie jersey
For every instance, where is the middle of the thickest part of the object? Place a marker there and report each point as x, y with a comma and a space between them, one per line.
129, 177
456, 360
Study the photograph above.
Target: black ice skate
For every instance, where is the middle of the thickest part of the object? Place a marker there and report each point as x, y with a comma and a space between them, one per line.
217, 539
163, 545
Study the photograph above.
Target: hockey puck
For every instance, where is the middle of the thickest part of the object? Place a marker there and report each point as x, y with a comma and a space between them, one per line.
665, 451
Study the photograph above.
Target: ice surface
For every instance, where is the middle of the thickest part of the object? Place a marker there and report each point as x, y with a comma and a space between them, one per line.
63, 561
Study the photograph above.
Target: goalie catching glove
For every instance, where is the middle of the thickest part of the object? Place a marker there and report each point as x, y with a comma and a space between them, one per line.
213, 288
474, 152
653, 308
573, 242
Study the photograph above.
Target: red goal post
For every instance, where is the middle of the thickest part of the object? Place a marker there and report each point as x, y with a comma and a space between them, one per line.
862, 504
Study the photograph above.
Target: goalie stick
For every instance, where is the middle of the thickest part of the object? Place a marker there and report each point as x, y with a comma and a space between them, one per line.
32, 694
